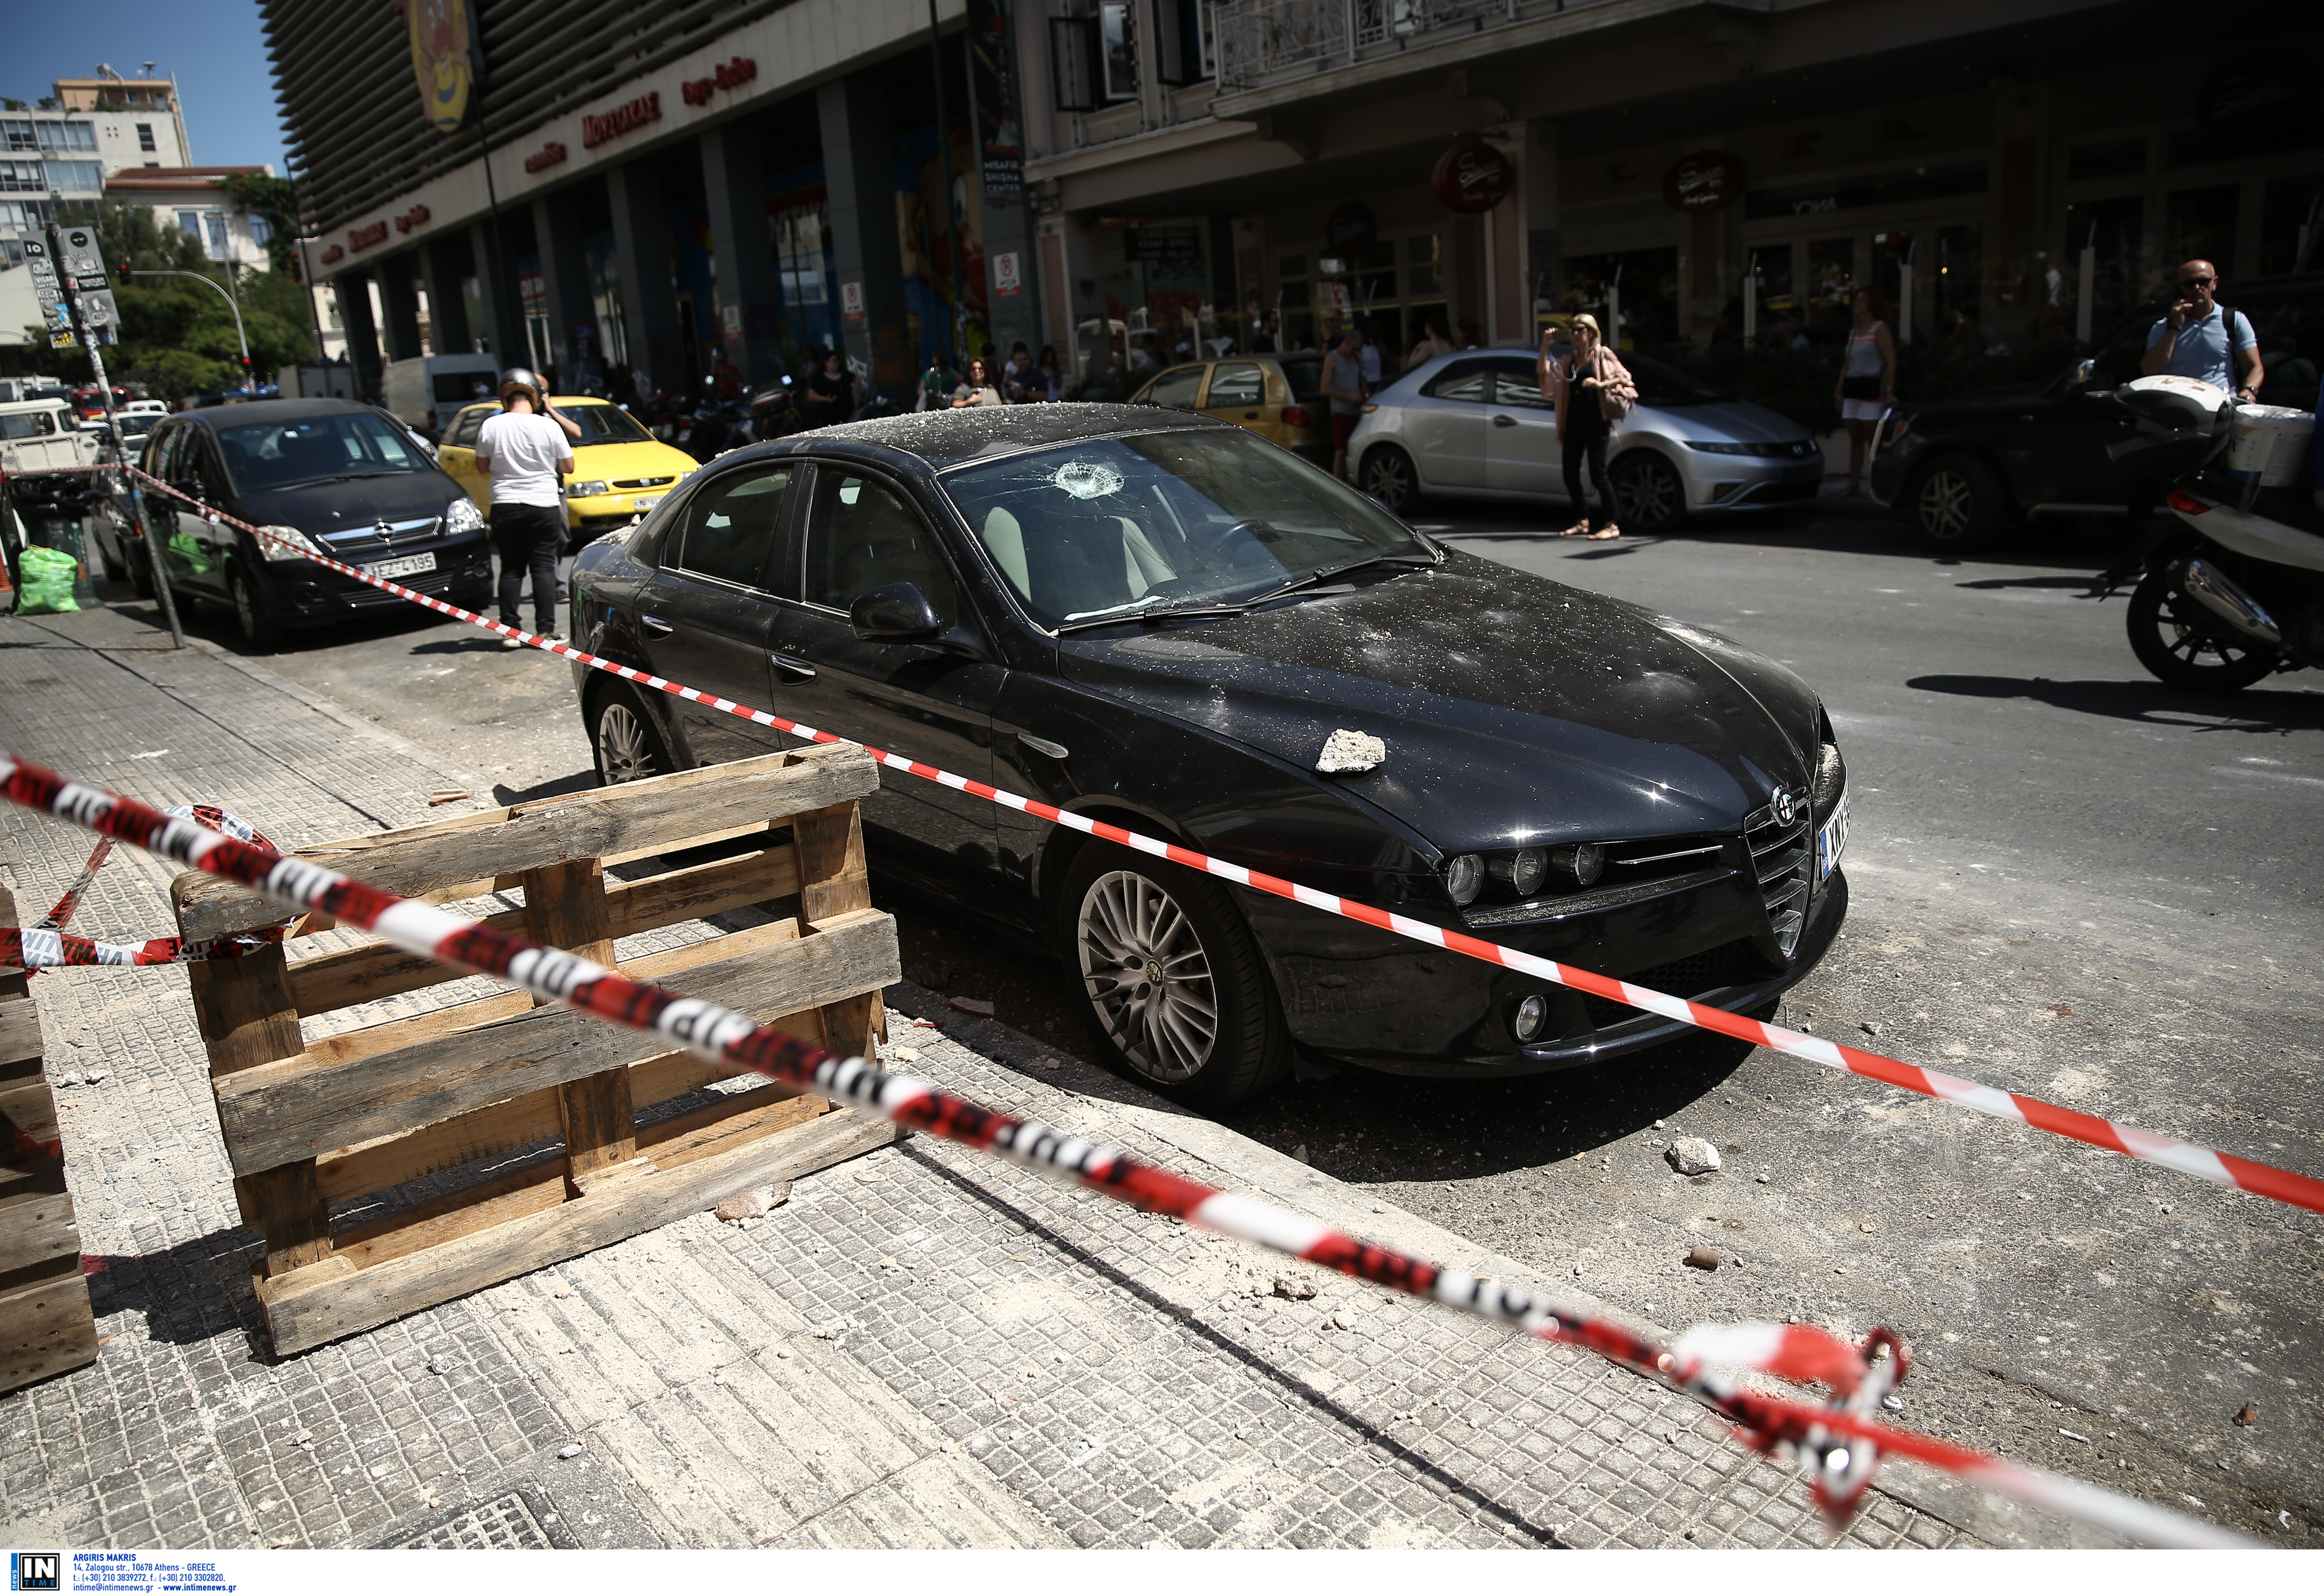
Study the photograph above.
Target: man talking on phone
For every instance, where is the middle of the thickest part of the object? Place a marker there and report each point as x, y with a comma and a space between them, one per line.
2203, 339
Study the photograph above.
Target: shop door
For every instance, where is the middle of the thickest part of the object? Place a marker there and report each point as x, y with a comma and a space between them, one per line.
1522, 454
930, 702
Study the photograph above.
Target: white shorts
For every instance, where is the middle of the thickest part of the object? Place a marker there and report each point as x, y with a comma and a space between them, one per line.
1862, 409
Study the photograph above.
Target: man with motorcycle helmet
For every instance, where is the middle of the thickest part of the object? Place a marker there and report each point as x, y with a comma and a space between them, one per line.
532, 380
2203, 339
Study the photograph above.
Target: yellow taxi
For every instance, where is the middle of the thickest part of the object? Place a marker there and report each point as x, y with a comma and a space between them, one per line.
1279, 397
619, 468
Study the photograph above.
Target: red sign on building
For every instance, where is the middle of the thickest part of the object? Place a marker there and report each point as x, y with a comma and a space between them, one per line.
365, 236
1471, 178
620, 119
730, 74
550, 154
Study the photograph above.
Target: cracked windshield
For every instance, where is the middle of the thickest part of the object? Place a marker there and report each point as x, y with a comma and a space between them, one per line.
1117, 527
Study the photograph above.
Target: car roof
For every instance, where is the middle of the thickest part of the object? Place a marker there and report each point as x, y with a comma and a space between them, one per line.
947, 436
276, 409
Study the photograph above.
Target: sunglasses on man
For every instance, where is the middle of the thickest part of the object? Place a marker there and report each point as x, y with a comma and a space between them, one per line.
2197, 281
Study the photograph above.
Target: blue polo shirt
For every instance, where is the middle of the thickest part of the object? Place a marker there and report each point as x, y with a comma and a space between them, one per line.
2202, 352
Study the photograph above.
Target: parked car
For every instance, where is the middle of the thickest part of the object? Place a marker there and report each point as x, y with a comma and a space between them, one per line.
1280, 397
45, 450
335, 477
619, 470
1159, 620
1963, 470
1475, 426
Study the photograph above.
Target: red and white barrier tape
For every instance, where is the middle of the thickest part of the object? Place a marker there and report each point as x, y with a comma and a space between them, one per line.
46, 946
1837, 1443
2204, 1163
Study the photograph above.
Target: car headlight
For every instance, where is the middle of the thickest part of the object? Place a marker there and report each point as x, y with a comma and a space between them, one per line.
1531, 1016
1521, 871
462, 517
295, 544
1464, 878
1707, 447
1579, 864
588, 490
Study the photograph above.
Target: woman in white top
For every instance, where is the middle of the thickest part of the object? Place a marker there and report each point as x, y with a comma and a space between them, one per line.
979, 388
1867, 390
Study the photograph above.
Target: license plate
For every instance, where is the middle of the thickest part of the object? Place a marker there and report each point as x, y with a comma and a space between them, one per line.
642, 504
410, 564
1831, 842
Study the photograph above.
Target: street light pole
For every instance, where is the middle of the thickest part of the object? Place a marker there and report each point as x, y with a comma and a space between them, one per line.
231, 305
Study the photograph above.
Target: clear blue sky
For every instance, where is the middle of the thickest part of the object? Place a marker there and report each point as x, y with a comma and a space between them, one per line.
215, 48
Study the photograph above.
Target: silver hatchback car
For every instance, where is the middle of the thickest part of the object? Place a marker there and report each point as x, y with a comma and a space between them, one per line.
1475, 425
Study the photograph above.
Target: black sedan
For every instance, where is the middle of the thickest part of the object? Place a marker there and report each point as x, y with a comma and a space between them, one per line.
329, 478
1163, 620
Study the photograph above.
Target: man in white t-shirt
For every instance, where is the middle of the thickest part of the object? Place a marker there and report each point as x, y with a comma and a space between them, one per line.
527, 458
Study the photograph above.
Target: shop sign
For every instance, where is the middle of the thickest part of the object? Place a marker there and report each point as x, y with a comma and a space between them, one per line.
851, 301
993, 101
729, 74
417, 216
365, 236
448, 60
334, 253
1350, 230
2266, 91
1471, 179
550, 154
1008, 278
1175, 245
1707, 180
620, 119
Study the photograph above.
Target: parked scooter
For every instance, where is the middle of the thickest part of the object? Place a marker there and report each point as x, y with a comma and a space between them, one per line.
772, 412
2234, 592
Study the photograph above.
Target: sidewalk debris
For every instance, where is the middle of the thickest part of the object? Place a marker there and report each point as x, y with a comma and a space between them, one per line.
1691, 1155
978, 1006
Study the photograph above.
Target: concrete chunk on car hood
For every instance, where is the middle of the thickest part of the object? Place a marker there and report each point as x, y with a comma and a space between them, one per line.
1521, 710
1350, 752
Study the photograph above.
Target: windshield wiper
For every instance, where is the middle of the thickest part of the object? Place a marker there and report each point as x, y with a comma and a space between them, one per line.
1140, 609
1324, 573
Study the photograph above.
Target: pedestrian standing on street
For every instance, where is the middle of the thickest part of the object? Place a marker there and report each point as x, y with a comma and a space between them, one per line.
1022, 380
1433, 342
1592, 389
1867, 390
937, 383
979, 388
1344, 385
830, 393
2203, 339
1053, 370
527, 458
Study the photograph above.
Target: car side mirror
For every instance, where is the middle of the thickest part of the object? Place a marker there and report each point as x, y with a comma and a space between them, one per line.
898, 613
2086, 371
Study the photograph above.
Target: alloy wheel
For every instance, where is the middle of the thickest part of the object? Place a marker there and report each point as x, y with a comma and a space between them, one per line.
1651, 496
1389, 478
1948, 502
624, 751
1147, 975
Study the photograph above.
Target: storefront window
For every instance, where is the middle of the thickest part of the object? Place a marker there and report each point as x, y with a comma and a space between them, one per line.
1885, 276
2200, 223
2113, 158
1958, 283
2110, 229
2292, 224
1639, 286
1776, 320
1156, 282
1830, 288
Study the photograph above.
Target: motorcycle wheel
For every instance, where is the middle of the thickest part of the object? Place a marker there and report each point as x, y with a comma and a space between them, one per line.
2181, 643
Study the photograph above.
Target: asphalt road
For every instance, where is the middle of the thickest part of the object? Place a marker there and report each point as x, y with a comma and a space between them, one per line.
2067, 881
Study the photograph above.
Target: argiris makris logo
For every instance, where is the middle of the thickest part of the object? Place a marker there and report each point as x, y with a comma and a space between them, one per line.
447, 57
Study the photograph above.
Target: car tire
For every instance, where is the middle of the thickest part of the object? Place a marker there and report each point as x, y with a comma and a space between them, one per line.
1209, 1036
2173, 636
1649, 494
1957, 505
251, 618
1387, 474
625, 741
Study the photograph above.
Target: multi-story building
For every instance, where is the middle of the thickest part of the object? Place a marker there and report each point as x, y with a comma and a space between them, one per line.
1199, 173
63, 150
188, 198
136, 121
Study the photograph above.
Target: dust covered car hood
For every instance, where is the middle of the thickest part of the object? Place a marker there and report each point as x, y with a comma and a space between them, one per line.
1515, 709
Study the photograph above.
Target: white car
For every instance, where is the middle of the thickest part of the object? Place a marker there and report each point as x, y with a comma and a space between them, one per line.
145, 407
1475, 426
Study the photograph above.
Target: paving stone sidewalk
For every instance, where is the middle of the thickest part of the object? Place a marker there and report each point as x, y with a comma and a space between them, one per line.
922, 1348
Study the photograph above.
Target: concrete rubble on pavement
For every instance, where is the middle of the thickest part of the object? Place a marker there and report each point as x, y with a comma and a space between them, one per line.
924, 1347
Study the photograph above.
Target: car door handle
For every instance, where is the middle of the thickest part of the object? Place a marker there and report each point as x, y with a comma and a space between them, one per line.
1505, 421
1250, 415
655, 626
1056, 750
799, 668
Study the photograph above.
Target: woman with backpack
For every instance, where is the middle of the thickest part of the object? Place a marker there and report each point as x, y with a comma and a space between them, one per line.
1592, 389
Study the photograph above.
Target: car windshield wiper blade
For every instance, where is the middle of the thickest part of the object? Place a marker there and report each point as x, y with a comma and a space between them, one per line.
1324, 573
1141, 610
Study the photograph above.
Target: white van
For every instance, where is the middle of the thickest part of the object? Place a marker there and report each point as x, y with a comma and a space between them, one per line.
428, 392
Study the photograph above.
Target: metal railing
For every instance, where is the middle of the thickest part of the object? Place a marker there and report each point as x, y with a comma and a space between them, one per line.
1260, 39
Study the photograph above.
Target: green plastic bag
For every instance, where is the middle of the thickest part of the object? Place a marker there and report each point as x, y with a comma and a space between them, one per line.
48, 582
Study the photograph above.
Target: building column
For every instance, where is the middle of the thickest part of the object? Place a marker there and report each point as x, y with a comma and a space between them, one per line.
399, 306
448, 307
649, 303
1538, 179
861, 186
564, 282
497, 296
750, 290
1013, 279
354, 292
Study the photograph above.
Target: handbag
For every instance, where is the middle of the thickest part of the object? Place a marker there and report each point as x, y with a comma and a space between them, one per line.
1616, 389
1863, 387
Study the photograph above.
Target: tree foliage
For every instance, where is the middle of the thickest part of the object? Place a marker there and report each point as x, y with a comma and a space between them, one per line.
275, 200
176, 337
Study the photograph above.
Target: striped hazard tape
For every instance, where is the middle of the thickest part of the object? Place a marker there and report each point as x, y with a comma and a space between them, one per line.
46, 945
2204, 1163
1837, 1443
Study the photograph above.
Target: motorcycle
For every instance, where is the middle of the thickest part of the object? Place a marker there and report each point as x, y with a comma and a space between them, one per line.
772, 412
2234, 592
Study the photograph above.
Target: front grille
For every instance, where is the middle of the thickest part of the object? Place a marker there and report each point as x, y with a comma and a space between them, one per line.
1782, 851
645, 482
1693, 976
360, 543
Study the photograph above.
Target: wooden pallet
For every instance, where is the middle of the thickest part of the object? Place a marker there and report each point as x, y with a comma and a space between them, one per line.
310, 1126
45, 1323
